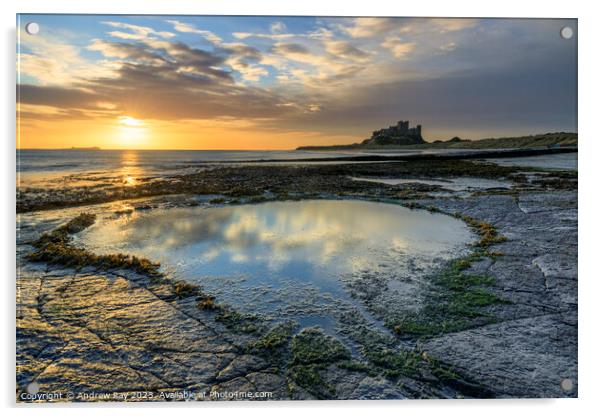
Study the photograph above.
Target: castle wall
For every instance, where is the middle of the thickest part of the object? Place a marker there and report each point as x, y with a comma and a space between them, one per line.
399, 132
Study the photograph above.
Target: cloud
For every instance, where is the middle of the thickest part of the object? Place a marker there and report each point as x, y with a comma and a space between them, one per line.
125, 51
289, 49
321, 33
364, 27
345, 49
54, 62
244, 59
165, 57
167, 81
278, 33
277, 27
136, 32
453, 24
533, 97
398, 47
58, 97
273, 36
125, 35
241, 50
188, 28
451, 46
249, 72
329, 61
368, 27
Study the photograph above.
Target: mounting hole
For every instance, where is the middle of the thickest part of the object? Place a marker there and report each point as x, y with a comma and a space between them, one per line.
33, 388
567, 384
566, 32
32, 28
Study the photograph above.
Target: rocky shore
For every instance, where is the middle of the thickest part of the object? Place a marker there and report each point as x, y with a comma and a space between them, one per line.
502, 321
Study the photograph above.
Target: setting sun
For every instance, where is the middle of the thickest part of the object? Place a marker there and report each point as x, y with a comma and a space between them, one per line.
131, 131
130, 121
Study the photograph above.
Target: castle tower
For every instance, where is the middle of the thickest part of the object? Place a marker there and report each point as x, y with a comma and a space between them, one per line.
403, 126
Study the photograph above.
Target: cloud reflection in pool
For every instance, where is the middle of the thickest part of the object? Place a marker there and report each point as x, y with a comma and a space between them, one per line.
271, 255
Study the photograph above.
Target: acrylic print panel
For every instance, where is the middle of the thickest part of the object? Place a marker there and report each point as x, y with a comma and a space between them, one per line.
295, 208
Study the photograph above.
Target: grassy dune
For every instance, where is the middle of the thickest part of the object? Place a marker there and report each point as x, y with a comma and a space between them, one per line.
538, 140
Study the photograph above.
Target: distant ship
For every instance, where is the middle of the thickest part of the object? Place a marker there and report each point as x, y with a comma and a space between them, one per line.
85, 148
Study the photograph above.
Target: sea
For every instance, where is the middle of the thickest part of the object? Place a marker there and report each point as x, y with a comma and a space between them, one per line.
40, 166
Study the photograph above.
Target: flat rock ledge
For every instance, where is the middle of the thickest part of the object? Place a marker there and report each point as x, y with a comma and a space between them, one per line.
531, 351
114, 336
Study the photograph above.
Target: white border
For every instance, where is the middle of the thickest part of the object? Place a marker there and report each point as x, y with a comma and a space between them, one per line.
590, 132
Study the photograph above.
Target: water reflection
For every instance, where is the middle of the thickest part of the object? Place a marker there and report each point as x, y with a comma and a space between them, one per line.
130, 169
236, 250
561, 161
454, 184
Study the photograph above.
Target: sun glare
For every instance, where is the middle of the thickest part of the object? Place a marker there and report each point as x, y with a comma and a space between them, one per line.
130, 121
131, 131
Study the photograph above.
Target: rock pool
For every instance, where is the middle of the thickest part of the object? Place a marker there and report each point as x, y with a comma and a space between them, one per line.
303, 260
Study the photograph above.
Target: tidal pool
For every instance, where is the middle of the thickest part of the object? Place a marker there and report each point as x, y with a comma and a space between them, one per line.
296, 260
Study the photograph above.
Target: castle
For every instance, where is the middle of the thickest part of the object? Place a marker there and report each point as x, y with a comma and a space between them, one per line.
399, 134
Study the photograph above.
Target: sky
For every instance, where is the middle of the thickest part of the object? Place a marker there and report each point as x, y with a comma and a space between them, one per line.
227, 82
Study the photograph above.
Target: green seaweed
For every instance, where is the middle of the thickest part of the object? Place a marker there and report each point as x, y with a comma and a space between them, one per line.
184, 289
394, 363
238, 322
56, 248
488, 234
458, 297
79, 223
311, 353
312, 346
277, 337
207, 303
64, 254
456, 304
357, 366
310, 378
